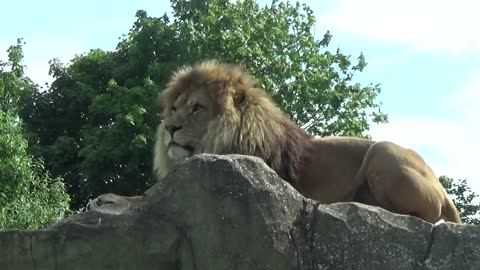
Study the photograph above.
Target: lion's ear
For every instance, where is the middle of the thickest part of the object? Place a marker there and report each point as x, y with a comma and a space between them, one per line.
237, 95
229, 94
238, 98
236, 92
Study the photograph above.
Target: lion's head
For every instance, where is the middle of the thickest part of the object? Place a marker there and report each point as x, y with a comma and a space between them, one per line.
213, 107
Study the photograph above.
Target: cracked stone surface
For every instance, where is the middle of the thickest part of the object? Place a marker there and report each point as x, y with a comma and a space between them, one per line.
233, 212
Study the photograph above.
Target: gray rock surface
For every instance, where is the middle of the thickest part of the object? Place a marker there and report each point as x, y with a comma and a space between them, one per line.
233, 212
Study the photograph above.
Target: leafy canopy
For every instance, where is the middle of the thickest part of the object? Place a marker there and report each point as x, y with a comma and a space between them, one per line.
29, 197
464, 198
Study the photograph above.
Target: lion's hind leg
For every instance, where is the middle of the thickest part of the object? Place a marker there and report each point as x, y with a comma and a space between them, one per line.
406, 193
402, 182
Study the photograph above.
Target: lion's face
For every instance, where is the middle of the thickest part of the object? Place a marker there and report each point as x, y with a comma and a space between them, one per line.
186, 122
201, 108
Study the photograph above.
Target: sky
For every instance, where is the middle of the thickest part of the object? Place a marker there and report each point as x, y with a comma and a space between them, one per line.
425, 54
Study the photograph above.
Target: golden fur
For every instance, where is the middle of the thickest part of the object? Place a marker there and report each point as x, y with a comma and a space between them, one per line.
215, 108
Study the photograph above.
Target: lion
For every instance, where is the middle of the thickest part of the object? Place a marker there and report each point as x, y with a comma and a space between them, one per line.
214, 107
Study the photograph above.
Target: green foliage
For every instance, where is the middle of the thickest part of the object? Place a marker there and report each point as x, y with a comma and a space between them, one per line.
91, 131
29, 197
95, 125
464, 198
313, 85
13, 85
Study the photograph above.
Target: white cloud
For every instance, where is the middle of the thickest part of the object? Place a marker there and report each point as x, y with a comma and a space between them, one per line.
428, 24
450, 145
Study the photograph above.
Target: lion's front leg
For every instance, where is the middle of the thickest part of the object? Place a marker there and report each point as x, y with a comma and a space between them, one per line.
112, 203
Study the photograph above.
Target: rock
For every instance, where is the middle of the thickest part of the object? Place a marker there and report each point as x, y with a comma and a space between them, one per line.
233, 212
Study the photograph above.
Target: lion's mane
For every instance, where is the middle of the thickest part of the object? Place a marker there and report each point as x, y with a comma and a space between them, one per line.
249, 122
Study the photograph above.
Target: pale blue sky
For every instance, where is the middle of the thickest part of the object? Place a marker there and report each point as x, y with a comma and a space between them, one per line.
424, 53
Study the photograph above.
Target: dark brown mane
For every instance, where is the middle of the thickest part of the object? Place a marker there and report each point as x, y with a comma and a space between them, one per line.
295, 152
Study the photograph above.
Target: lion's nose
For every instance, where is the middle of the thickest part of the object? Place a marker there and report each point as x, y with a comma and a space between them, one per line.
171, 128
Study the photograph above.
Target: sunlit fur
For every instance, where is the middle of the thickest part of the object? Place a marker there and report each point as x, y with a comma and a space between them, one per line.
239, 118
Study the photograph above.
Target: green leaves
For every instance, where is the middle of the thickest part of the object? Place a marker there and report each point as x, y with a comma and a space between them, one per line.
464, 198
314, 86
29, 197
13, 85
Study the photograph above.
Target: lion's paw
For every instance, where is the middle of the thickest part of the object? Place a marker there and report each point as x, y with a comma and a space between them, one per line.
108, 203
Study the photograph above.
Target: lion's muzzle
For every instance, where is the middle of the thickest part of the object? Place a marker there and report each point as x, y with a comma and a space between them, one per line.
177, 151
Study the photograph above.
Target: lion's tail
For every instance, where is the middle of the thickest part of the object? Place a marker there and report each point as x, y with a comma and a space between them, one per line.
450, 212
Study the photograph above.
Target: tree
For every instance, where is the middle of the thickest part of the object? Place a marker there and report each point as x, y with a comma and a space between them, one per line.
277, 44
91, 131
29, 197
464, 198
95, 125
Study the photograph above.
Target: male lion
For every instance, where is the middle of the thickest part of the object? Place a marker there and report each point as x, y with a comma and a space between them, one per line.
213, 107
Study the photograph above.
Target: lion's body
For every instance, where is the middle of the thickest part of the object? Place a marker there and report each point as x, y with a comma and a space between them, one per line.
376, 173
239, 118
329, 172
215, 108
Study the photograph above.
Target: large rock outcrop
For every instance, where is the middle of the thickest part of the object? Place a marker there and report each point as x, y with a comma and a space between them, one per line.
233, 212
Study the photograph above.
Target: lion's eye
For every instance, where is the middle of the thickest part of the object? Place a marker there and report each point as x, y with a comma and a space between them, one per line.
196, 108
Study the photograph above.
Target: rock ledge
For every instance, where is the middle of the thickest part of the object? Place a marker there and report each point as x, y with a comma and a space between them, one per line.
233, 212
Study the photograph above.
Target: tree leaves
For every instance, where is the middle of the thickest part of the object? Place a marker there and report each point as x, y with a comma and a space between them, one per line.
464, 198
29, 197
277, 44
